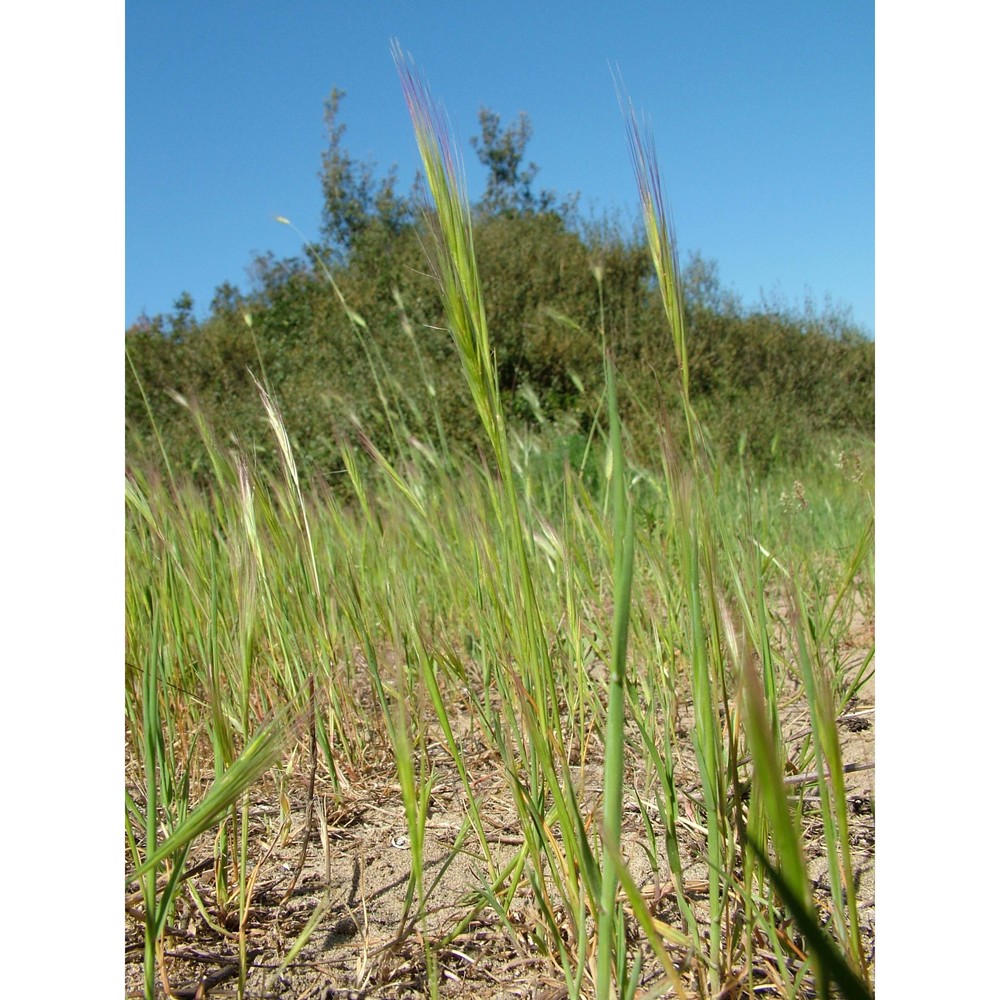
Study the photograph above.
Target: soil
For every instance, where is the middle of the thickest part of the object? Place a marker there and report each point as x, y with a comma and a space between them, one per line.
357, 863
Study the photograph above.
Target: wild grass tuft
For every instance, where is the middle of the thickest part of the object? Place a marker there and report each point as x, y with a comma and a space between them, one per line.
616, 652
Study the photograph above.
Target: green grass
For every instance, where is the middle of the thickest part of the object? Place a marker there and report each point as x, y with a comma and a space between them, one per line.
644, 630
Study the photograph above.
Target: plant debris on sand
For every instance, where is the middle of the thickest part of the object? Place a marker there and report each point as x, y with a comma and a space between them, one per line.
357, 866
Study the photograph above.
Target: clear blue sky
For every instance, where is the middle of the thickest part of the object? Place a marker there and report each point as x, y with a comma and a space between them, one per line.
763, 115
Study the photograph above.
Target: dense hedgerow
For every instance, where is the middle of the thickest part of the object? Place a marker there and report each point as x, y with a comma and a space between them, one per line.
766, 382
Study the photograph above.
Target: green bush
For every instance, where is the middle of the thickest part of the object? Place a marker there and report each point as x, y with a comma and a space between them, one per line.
765, 383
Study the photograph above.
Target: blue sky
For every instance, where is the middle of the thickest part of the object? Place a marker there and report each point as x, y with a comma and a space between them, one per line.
763, 115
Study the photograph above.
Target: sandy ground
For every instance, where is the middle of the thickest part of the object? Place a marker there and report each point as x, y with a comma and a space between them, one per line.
357, 866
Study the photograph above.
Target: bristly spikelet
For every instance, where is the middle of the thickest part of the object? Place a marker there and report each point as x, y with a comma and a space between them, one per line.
659, 228
454, 253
